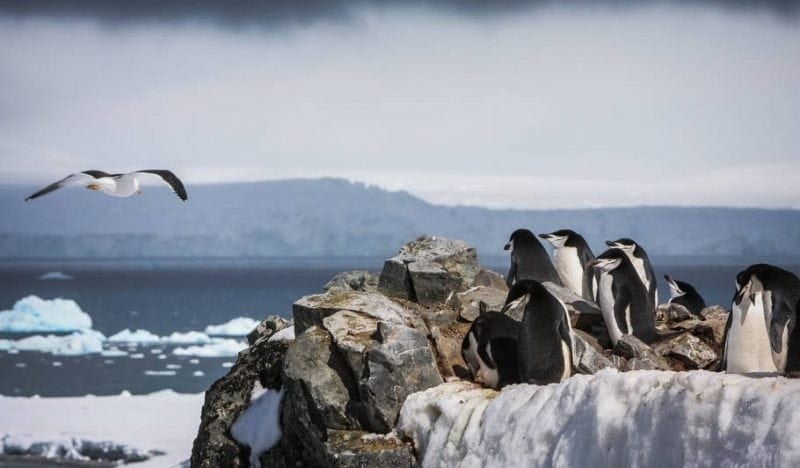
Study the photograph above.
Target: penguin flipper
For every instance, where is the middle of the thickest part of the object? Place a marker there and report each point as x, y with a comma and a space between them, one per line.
512, 273
781, 314
566, 336
621, 310
724, 362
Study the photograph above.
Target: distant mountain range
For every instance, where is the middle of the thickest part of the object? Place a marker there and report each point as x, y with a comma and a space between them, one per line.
333, 217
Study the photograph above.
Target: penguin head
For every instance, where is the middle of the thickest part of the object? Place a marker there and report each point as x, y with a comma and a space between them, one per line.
523, 289
519, 236
678, 288
748, 284
558, 238
624, 243
609, 260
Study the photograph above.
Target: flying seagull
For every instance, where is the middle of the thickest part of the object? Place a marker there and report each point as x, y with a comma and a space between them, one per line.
116, 185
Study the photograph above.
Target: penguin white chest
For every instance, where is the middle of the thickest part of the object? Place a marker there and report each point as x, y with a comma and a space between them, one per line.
568, 265
747, 346
638, 265
605, 295
482, 373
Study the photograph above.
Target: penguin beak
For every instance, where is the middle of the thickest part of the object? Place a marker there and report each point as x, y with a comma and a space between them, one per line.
593, 263
139, 191
507, 246
545, 236
611, 243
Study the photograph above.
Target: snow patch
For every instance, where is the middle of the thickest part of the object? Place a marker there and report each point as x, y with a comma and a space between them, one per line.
644, 418
220, 348
239, 326
34, 314
287, 334
258, 426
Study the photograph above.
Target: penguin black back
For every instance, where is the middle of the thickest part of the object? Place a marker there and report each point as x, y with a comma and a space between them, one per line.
685, 294
641, 262
490, 349
545, 339
529, 259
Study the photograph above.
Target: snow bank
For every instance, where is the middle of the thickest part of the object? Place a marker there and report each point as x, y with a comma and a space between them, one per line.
220, 348
83, 342
240, 326
34, 314
645, 418
258, 427
138, 336
287, 334
163, 421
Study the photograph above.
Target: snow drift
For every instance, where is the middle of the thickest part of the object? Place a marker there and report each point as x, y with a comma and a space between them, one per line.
34, 314
644, 418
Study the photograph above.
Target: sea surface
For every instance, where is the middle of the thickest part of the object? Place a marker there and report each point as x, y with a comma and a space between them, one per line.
180, 296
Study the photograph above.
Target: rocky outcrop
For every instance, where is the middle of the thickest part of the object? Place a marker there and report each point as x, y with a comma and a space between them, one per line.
428, 269
366, 343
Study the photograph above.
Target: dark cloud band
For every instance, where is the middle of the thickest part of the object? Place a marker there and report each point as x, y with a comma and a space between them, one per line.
277, 12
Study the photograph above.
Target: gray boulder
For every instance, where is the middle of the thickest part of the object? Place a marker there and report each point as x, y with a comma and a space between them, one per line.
587, 353
468, 302
672, 313
352, 333
312, 310
268, 327
630, 347
689, 349
402, 363
428, 269
491, 279
356, 280
358, 449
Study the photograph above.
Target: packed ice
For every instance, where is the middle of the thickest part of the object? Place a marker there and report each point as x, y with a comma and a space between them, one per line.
33, 314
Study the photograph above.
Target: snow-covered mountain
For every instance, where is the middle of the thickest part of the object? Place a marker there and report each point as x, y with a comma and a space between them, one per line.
333, 217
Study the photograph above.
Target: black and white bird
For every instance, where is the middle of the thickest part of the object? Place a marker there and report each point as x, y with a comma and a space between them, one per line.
685, 294
641, 262
116, 185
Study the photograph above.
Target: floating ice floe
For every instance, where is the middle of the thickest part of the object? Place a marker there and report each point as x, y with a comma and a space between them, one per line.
258, 427
239, 326
643, 418
55, 275
219, 348
138, 336
70, 448
34, 314
160, 372
83, 342
190, 337
113, 352
198, 373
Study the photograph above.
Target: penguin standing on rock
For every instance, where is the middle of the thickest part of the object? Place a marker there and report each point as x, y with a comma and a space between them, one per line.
544, 349
641, 262
683, 293
626, 305
571, 257
529, 260
490, 349
762, 333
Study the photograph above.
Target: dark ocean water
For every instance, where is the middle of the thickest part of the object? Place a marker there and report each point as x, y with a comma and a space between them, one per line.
165, 297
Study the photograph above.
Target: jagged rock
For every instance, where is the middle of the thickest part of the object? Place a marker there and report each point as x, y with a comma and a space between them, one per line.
356, 280
672, 313
468, 302
428, 269
643, 363
228, 397
353, 334
588, 358
320, 391
358, 449
400, 365
268, 327
311, 310
714, 312
630, 347
618, 362
448, 350
491, 279
690, 349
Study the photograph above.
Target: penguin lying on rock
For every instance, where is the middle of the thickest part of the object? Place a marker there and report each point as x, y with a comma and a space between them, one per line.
683, 293
490, 349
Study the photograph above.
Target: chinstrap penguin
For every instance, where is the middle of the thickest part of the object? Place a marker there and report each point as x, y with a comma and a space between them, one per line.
490, 349
641, 262
529, 260
544, 348
571, 257
762, 333
685, 294
627, 308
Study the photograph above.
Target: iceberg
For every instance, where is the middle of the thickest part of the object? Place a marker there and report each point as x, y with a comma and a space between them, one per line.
220, 348
55, 275
138, 336
83, 342
34, 314
239, 326
640, 418
191, 337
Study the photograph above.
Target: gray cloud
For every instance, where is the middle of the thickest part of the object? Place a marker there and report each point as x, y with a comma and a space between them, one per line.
246, 13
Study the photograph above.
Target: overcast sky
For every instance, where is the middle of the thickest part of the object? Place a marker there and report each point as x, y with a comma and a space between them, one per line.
527, 107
